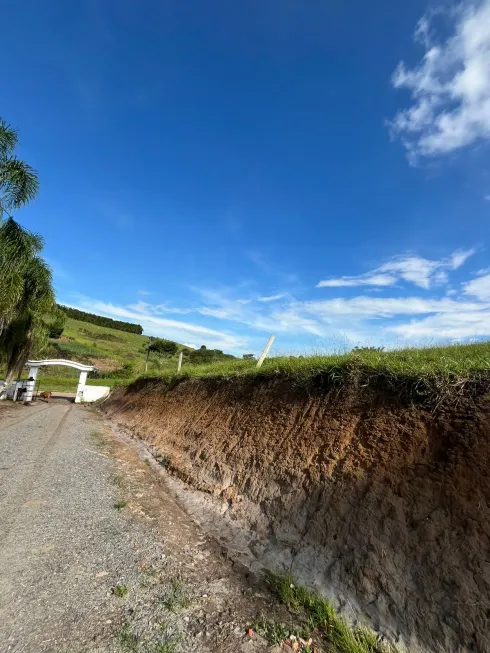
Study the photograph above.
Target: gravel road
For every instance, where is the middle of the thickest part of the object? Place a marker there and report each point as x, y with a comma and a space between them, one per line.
96, 556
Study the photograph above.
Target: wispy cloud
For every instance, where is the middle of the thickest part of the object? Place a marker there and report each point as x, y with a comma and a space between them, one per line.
224, 318
420, 271
479, 288
153, 324
144, 292
450, 87
270, 298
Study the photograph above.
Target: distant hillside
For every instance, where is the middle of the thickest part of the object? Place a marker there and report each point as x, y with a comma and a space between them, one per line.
101, 321
117, 354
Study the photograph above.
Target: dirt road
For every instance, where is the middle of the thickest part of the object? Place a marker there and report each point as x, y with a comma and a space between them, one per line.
96, 556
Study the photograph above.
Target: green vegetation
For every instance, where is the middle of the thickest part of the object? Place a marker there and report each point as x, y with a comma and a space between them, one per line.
316, 615
120, 591
120, 505
163, 347
424, 375
19, 183
176, 596
126, 637
101, 321
26, 293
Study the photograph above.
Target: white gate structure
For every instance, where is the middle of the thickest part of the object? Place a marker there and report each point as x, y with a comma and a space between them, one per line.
34, 369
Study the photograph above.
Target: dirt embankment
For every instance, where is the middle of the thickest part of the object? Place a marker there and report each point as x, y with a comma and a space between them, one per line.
382, 506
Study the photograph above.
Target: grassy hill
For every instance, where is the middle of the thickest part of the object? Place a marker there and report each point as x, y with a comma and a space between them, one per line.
116, 354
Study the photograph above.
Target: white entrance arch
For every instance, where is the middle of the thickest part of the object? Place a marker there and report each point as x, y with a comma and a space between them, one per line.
34, 368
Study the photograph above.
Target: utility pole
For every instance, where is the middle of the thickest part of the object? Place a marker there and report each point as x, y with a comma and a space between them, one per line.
148, 353
265, 352
179, 364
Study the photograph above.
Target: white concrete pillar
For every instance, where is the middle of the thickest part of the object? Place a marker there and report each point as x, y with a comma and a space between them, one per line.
81, 387
31, 383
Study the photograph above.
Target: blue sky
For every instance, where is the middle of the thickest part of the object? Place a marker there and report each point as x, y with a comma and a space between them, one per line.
219, 171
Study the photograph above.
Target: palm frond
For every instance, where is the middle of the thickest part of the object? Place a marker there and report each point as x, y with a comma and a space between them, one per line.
18, 181
17, 245
8, 138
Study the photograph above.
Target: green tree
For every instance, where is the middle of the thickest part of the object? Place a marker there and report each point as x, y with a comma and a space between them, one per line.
19, 183
56, 326
28, 327
26, 291
18, 247
163, 347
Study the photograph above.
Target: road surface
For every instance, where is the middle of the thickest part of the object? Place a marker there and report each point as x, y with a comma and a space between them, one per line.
96, 556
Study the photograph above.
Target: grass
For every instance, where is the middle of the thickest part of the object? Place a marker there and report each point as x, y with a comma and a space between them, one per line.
126, 638
120, 591
318, 615
176, 597
119, 505
422, 375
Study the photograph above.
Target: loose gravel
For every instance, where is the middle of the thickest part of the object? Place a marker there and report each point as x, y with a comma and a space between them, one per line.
96, 556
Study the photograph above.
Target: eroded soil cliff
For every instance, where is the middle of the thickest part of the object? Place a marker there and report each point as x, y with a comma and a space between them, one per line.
382, 506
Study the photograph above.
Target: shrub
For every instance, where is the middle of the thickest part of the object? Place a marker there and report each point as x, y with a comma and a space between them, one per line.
163, 347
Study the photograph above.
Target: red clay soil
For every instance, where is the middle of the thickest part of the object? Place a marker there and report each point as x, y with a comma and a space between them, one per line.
383, 507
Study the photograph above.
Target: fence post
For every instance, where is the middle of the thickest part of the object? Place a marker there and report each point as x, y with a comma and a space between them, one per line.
265, 352
179, 364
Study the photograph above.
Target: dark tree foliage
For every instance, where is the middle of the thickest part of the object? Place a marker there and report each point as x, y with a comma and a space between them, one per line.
248, 357
55, 331
202, 356
163, 347
101, 321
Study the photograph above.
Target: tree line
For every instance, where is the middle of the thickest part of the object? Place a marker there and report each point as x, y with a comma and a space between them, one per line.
101, 321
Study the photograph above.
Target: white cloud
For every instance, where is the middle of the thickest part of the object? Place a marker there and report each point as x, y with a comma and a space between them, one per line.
270, 298
414, 269
144, 292
221, 316
163, 327
479, 288
376, 307
450, 87
457, 326
370, 279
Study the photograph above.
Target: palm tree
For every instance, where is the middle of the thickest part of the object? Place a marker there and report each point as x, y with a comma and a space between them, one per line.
19, 183
26, 291
28, 328
18, 246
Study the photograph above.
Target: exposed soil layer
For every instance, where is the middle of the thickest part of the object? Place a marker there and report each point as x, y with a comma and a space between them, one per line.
382, 506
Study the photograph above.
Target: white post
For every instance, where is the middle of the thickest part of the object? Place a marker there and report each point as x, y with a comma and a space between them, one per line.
30, 384
179, 364
81, 387
265, 352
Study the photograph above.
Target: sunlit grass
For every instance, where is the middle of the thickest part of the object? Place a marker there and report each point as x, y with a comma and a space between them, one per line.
425, 373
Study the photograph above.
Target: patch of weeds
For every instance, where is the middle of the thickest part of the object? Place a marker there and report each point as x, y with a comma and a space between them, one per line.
275, 633
322, 617
163, 459
126, 638
119, 505
176, 597
120, 591
168, 643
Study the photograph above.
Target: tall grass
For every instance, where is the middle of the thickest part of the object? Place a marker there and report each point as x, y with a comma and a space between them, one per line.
422, 375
